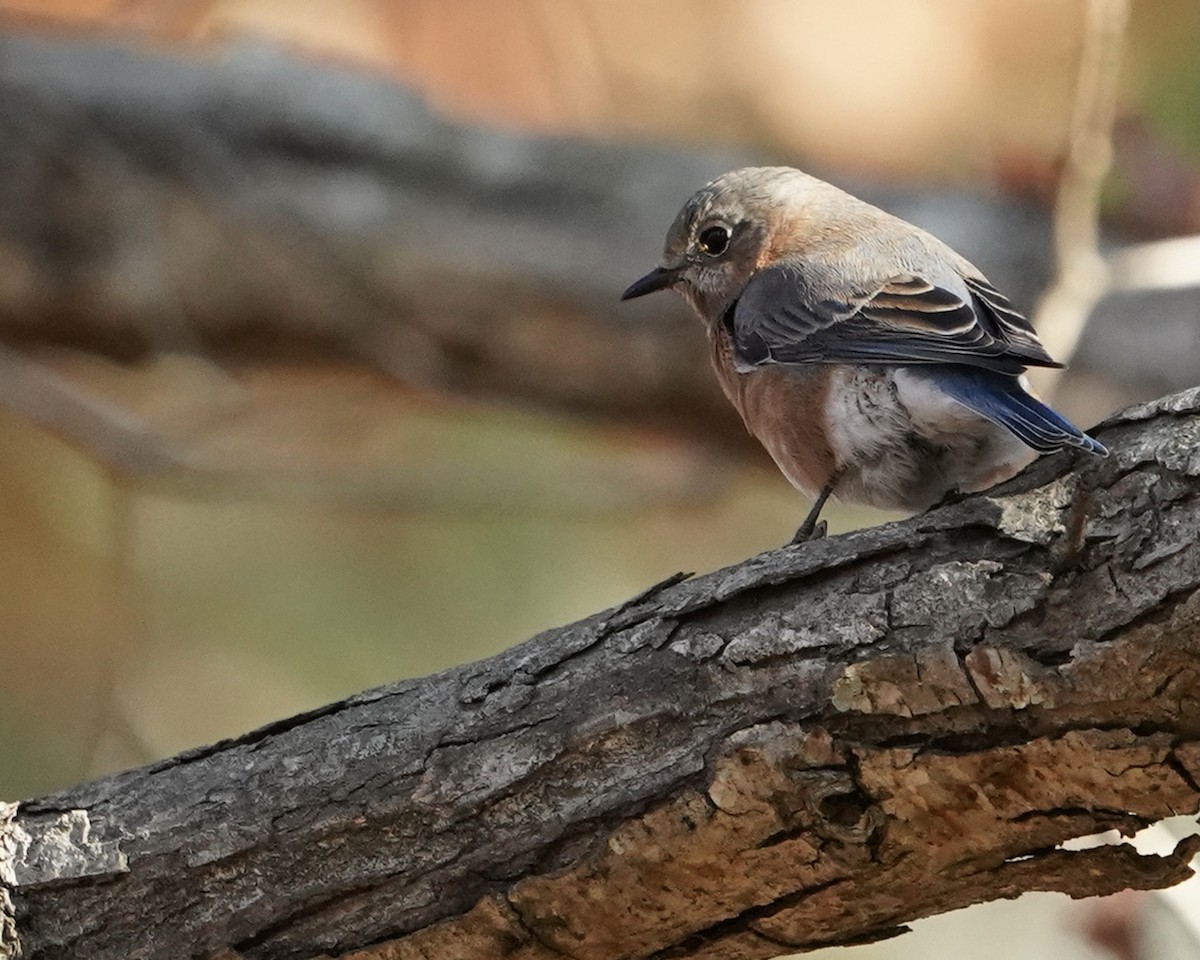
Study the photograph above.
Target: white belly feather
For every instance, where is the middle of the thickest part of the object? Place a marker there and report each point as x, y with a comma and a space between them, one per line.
904, 444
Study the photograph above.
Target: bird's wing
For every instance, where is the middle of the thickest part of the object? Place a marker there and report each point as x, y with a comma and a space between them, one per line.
780, 318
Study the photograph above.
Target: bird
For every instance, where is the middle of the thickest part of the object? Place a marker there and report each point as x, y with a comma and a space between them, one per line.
873, 362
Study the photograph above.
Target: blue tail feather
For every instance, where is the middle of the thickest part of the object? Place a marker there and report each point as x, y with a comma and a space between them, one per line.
1000, 398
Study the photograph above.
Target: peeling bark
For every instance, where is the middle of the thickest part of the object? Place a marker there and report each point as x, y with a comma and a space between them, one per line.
813, 747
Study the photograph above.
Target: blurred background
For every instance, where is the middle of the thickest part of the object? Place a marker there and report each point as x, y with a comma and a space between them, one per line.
313, 374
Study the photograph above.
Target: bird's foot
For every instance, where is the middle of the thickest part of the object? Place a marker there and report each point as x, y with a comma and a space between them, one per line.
950, 496
810, 531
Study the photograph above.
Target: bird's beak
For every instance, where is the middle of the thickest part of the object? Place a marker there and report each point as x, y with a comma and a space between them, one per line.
657, 279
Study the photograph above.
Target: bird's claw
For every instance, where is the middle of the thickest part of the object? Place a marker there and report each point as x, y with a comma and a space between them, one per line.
809, 532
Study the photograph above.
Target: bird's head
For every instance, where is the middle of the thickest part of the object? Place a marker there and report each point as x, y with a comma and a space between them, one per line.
723, 235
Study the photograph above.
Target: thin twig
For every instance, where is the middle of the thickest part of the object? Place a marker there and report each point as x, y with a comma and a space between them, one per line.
1081, 277
102, 428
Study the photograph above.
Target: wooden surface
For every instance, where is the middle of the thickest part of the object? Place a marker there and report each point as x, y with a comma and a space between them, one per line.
810, 748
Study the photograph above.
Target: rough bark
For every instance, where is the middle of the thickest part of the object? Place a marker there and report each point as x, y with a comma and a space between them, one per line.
812, 747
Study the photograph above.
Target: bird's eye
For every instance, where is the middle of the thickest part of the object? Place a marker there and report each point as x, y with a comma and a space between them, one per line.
714, 240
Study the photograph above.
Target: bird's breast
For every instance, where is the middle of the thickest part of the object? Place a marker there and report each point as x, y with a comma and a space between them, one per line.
784, 408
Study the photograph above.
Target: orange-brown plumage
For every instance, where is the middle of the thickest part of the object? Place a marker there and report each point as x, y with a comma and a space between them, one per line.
785, 410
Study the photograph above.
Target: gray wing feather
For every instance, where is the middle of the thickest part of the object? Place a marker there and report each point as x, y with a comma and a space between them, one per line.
782, 318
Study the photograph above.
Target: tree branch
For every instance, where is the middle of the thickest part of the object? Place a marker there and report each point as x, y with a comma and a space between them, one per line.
813, 747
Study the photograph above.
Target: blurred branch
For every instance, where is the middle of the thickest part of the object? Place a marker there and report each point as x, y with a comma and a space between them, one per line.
269, 208
1081, 275
814, 747
109, 432
258, 207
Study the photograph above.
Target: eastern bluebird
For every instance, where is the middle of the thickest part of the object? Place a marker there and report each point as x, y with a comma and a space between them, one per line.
865, 355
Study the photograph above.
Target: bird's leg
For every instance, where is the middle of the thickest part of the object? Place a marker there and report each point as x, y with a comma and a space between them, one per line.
810, 529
